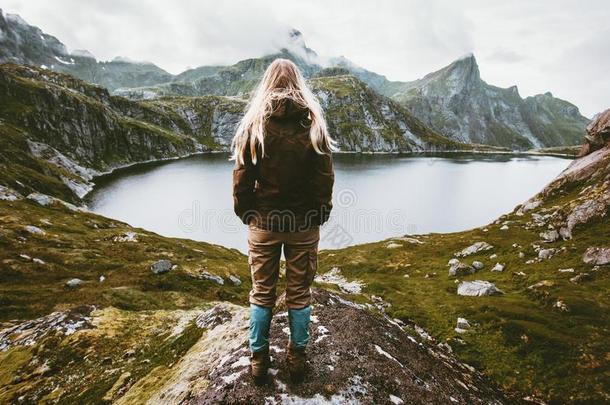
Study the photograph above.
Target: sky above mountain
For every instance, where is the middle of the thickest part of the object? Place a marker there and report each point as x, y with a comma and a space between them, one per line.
548, 45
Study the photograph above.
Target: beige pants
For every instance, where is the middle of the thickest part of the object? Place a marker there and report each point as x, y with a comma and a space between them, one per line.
301, 253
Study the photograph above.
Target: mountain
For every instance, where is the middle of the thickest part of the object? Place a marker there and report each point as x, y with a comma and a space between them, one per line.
26, 44
453, 101
459, 104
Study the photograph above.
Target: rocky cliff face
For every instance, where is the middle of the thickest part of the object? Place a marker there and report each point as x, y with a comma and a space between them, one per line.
362, 120
458, 103
81, 130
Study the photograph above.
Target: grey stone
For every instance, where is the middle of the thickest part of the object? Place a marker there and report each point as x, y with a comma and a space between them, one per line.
580, 277
34, 230
460, 269
474, 248
498, 267
212, 277
477, 288
478, 265
235, 280
161, 266
8, 194
73, 283
597, 256
545, 253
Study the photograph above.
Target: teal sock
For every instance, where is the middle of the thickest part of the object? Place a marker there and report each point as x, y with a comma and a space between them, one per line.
260, 322
299, 326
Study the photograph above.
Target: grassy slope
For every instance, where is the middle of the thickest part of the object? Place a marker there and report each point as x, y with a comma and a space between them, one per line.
143, 322
521, 340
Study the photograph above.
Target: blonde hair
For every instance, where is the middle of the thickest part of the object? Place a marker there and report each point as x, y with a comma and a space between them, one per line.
282, 80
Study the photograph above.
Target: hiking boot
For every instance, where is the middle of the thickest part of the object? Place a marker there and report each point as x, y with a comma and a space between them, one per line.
296, 360
259, 365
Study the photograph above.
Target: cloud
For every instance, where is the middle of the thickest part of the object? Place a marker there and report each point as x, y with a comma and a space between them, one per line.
506, 56
539, 46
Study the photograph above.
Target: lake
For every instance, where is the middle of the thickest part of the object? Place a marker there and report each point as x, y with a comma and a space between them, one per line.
375, 196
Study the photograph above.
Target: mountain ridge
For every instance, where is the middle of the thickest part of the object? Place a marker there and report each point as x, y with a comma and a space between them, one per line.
460, 106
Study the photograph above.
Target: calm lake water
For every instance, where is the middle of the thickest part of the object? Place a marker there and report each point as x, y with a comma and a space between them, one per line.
375, 196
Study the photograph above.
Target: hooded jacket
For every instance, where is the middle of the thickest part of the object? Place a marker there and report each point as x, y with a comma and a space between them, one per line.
290, 188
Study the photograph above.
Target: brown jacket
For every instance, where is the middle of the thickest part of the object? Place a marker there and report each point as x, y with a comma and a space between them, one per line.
290, 188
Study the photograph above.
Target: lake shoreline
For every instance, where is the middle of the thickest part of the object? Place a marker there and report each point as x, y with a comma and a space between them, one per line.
117, 170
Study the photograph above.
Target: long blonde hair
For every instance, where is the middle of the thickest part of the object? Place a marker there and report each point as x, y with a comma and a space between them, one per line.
282, 80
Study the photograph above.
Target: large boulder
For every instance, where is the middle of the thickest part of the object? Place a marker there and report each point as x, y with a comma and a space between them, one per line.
596, 256
598, 133
161, 266
477, 288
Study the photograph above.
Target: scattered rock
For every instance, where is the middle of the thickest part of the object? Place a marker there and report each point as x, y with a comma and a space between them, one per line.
550, 236
498, 267
561, 306
528, 206
161, 266
580, 277
38, 261
474, 248
544, 254
493, 256
334, 276
504, 228
478, 265
235, 280
541, 284
73, 283
393, 245
521, 255
462, 325
477, 288
34, 230
459, 269
8, 194
570, 270
597, 256
126, 237
212, 277
411, 240
102, 278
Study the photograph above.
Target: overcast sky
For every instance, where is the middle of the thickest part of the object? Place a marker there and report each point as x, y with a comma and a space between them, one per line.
554, 45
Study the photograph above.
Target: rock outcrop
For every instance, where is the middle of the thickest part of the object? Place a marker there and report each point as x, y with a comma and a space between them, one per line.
586, 180
370, 359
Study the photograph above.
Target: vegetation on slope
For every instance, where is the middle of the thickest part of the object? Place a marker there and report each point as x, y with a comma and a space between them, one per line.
546, 336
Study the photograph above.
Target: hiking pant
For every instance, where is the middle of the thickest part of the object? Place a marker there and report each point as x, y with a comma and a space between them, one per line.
301, 253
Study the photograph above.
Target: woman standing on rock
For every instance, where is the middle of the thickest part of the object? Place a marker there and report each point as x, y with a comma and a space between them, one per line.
282, 189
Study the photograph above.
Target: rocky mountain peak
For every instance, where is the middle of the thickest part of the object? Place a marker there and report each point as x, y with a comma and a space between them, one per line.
294, 42
465, 68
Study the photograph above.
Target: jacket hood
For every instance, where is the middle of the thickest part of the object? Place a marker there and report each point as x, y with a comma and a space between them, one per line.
288, 109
